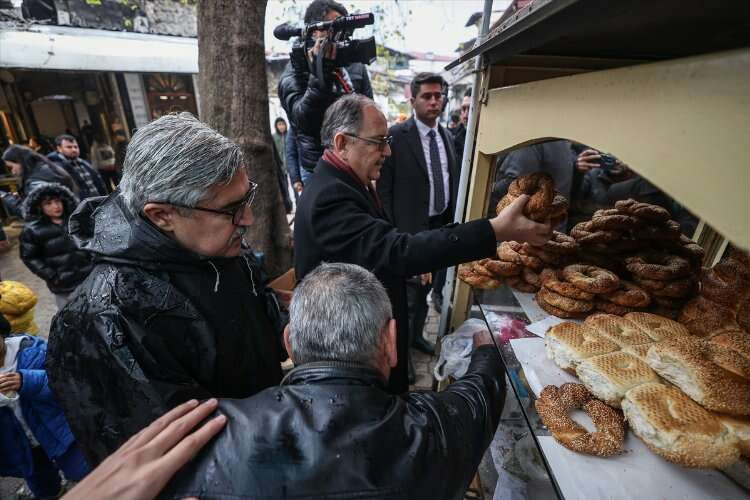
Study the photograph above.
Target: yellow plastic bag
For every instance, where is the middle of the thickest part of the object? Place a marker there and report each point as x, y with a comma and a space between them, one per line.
15, 298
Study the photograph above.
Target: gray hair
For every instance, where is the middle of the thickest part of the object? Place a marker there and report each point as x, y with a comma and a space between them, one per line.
337, 314
344, 116
174, 159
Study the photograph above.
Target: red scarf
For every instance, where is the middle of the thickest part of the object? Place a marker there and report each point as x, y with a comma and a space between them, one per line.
340, 164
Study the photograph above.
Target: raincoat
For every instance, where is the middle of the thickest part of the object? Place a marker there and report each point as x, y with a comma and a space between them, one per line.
152, 326
332, 431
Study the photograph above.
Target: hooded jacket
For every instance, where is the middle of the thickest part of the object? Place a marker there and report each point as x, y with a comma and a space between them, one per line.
152, 326
46, 248
332, 431
305, 104
40, 410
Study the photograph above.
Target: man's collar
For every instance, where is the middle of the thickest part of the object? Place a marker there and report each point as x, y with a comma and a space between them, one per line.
423, 127
334, 372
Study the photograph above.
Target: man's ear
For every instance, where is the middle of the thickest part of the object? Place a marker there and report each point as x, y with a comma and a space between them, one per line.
161, 215
288, 343
339, 142
390, 343
411, 100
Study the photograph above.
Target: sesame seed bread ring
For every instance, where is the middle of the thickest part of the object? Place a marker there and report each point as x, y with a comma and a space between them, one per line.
540, 188
522, 286
652, 213
564, 303
553, 406
474, 279
725, 292
556, 311
704, 318
678, 289
659, 233
560, 243
677, 428
608, 307
591, 279
613, 222
585, 234
666, 302
743, 315
479, 267
567, 290
501, 269
531, 277
545, 256
658, 266
629, 295
737, 340
508, 251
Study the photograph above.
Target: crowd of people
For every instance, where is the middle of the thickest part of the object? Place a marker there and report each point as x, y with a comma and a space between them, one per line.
162, 303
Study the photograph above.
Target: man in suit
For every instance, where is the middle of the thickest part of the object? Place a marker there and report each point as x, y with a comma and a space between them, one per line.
341, 219
419, 183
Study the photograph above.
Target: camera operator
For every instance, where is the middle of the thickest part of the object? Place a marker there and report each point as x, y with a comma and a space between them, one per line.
305, 97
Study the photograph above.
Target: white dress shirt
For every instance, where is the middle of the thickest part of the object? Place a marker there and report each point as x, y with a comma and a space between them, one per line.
423, 131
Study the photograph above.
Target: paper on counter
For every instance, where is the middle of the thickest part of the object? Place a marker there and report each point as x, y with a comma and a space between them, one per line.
539, 371
540, 328
530, 308
637, 473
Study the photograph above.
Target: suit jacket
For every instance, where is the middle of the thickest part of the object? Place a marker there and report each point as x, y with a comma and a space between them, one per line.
404, 184
337, 221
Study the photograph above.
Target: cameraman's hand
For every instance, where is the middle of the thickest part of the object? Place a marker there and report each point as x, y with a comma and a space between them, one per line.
482, 338
511, 225
588, 159
315, 50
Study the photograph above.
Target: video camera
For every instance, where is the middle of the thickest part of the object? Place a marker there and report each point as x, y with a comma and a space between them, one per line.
340, 31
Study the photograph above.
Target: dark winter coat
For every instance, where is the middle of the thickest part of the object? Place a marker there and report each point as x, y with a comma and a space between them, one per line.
337, 221
152, 326
404, 184
70, 168
40, 410
332, 431
45, 173
305, 104
46, 248
459, 142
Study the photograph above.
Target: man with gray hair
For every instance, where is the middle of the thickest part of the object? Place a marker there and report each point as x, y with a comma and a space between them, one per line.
340, 218
175, 307
331, 429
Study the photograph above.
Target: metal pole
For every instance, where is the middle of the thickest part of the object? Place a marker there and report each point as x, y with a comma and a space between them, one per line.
463, 184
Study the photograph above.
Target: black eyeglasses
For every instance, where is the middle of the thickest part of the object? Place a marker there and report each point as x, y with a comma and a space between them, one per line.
236, 212
381, 142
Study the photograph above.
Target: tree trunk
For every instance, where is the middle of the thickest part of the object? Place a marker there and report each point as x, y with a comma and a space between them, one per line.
233, 92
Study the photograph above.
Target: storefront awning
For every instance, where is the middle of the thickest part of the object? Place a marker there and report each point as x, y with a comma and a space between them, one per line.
78, 49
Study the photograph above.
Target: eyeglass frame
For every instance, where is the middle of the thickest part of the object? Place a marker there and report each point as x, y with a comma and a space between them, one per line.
381, 143
236, 214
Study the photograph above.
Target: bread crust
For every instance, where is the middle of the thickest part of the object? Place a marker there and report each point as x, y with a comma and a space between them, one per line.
658, 266
690, 364
704, 318
564, 303
629, 295
610, 376
618, 329
591, 279
678, 429
657, 327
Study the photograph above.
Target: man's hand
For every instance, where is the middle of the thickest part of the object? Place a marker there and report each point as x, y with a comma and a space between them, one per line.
588, 159
144, 464
425, 279
298, 186
315, 50
512, 225
10, 382
482, 338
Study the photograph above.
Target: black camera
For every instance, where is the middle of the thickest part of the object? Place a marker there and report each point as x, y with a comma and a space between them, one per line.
340, 31
607, 161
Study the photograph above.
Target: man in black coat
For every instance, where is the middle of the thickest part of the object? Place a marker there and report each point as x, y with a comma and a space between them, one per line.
175, 307
331, 430
87, 179
341, 219
418, 184
305, 97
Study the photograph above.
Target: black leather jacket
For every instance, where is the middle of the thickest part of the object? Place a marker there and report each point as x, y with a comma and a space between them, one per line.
332, 431
305, 104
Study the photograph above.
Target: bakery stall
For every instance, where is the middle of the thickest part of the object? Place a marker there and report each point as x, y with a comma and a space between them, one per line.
646, 315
